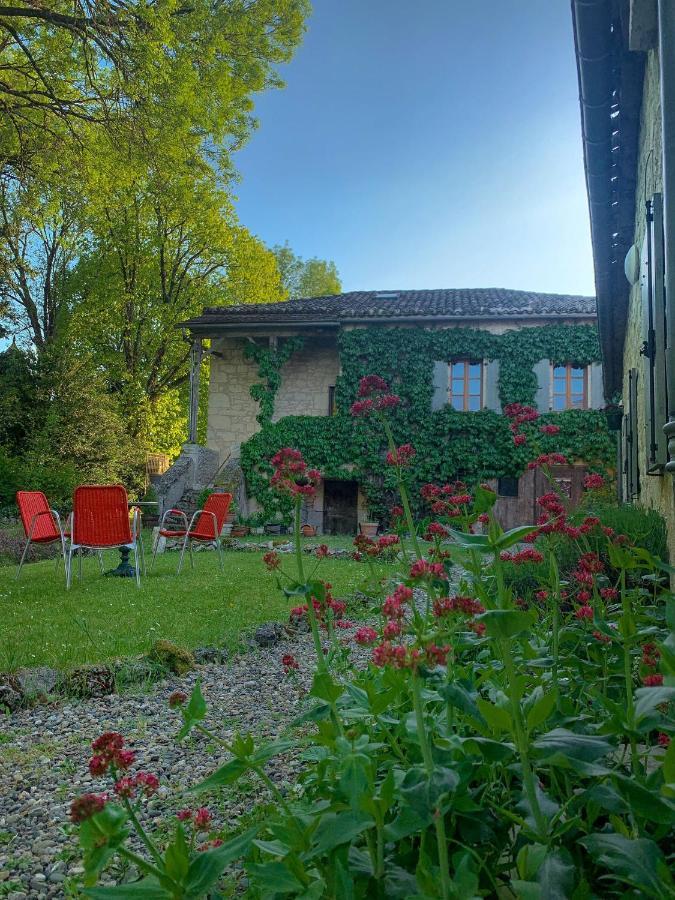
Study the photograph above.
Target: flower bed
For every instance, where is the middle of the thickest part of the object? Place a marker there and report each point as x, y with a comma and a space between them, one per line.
497, 745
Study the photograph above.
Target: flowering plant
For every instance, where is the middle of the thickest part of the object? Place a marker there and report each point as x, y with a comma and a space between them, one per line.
496, 745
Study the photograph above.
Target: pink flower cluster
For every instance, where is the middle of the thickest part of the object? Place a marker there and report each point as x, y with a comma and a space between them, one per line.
594, 482
529, 555
548, 459
422, 569
201, 818
291, 475
321, 607
109, 752
401, 656
402, 456
375, 548
374, 396
272, 560
290, 663
129, 785
466, 605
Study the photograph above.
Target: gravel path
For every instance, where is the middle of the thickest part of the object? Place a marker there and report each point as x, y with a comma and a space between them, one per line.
44, 753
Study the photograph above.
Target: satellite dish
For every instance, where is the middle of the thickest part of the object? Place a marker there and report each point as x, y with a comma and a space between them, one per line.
631, 265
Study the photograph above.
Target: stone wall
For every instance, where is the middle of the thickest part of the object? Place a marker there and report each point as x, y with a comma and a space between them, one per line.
656, 491
306, 378
232, 410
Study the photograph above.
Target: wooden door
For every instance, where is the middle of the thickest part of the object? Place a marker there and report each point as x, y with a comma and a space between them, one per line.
340, 507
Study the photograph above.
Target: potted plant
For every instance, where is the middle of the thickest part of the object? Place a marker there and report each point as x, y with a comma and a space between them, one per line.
308, 530
369, 529
614, 415
240, 527
232, 513
257, 522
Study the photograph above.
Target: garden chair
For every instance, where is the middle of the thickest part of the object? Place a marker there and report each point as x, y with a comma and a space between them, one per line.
41, 524
101, 521
204, 527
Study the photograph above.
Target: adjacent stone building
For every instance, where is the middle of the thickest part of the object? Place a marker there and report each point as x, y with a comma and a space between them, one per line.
465, 381
626, 64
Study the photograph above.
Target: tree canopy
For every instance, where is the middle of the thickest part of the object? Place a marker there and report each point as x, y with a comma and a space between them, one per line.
306, 277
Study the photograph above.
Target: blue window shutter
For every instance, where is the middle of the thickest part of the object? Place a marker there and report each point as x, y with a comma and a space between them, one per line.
596, 397
492, 386
440, 395
542, 398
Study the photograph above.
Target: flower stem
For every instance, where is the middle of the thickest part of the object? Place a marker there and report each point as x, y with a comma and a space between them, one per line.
628, 632
141, 832
403, 490
439, 821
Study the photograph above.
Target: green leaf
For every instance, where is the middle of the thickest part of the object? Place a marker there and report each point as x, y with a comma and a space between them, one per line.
148, 888
325, 688
470, 541
194, 712
274, 878
556, 875
274, 748
669, 764
571, 746
541, 710
177, 856
207, 867
227, 774
636, 862
506, 623
339, 828
647, 699
483, 500
514, 536
498, 719
645, 803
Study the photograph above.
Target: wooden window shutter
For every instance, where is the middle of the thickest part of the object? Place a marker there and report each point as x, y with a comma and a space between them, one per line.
542, 398
439, 397
492, 385
624, 486
653, 307
632, 436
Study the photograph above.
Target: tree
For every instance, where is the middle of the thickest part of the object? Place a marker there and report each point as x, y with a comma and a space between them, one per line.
306, 278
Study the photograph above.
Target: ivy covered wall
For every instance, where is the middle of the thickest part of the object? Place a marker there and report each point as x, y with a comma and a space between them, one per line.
469, 445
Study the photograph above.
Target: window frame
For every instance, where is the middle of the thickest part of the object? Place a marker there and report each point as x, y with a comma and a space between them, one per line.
466, 396
585, 403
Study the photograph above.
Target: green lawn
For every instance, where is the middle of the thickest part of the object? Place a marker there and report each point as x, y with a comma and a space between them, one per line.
104, 618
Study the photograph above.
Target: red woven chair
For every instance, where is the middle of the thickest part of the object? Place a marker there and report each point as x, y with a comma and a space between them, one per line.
101, 522
41, 524
205, 527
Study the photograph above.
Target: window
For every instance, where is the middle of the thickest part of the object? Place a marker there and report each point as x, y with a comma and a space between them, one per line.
465, 386
570, 387
507, 486
332, 406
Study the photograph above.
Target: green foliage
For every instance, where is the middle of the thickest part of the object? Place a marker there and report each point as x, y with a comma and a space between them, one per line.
270, 362
306, 277
471, 446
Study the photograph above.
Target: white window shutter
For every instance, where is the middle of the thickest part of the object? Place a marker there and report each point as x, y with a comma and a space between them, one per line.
439, 397
492, 385
596, 397
542, 398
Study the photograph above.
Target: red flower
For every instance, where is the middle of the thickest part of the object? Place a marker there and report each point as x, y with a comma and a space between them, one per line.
387, 540
484, 519
584, 596
466, 605
365, 636
519, 440
372, 384
663, 740
435, 530
148, 783
609, 593
291, 475
437, 655
520, 414
594, 482
402, 456
272, 560
361, 407
108, 743
289, 662
203, 819
603, 638
322, 551
652, 680
124, 758
584, 612
548, 459
388, 401
541, 595
423, 569
391, 630
396, 512
126, 787
98, 765
86, 806
178, 698
550, 429
184, 815
529, 555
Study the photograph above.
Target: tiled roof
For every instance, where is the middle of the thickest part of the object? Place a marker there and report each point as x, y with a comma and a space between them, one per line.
363, 306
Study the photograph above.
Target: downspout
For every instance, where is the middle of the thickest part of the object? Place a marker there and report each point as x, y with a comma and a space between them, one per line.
667, 79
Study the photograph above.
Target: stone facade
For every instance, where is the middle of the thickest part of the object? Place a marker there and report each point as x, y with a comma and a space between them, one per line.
656, 491
232, 410
306, 379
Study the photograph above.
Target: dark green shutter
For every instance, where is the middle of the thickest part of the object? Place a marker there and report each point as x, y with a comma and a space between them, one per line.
633, 478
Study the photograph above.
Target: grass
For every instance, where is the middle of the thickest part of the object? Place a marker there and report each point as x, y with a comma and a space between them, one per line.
101, 619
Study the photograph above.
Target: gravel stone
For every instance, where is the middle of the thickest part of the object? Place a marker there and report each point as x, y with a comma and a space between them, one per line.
45, 751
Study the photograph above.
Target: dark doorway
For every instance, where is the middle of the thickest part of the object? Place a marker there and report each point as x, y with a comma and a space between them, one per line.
339, 507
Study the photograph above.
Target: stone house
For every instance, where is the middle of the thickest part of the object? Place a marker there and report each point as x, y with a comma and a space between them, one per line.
309, 377
626, 66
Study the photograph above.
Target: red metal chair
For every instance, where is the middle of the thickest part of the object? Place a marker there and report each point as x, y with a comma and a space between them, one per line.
101, 521
41, 524
205, 527
170, 529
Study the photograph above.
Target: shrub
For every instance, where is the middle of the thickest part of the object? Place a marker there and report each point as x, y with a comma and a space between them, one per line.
175, 659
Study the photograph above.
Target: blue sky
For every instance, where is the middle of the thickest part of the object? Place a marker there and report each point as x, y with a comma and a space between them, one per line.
427, 144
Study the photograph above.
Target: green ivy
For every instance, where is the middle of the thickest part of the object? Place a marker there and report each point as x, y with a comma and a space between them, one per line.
270, 362
469, 445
